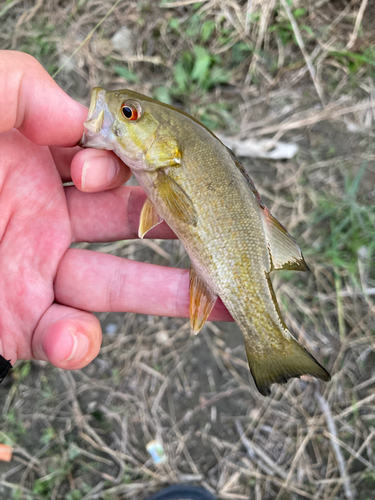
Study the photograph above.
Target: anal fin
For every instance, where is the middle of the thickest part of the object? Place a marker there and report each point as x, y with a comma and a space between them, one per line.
202, 300
149, 218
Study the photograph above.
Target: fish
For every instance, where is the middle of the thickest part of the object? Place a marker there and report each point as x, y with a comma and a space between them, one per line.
202, 191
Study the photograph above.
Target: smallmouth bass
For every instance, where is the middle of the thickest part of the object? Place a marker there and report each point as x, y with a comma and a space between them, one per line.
203, 192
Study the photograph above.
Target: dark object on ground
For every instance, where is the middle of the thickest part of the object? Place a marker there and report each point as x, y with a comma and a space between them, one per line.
5, 366
180, 492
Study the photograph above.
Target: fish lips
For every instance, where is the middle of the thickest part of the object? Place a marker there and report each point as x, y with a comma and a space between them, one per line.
98, 126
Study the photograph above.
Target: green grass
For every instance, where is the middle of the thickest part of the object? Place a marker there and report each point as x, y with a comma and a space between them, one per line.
345, 226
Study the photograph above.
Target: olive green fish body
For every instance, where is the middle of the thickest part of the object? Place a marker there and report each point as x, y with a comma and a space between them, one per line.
232, 260
200, 189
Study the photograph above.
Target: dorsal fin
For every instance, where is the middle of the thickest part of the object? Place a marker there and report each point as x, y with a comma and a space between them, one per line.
284, 251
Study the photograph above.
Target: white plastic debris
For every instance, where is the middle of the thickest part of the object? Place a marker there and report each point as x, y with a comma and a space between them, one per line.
123, 40
263, 148
353, 127
156, 450
111, 329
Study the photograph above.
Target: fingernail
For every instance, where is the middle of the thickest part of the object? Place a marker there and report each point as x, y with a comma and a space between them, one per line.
80, 346
98, 171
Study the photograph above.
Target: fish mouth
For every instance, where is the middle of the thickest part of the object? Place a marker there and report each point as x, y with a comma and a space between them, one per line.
98, 126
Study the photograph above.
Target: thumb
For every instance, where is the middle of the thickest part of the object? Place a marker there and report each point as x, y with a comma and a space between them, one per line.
31, 101
66, 337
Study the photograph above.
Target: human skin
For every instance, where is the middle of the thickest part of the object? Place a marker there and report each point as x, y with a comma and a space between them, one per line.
46, 288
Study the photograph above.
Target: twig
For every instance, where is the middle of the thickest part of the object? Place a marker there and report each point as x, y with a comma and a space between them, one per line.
346, 293
357, 454
351, 408
325, 114
151, 371
354, 454
252, 473
296, 460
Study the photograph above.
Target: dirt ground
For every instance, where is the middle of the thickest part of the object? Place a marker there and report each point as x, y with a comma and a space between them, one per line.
296, 71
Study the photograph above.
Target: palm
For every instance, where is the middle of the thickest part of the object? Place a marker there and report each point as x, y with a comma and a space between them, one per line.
36, 233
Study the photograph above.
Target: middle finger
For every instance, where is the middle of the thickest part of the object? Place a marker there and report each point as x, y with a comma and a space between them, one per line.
90, 169
109, 215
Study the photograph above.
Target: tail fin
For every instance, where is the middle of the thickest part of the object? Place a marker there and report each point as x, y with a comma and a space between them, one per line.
279, 365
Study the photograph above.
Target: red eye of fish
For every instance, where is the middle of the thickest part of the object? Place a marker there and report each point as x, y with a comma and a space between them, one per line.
130, 111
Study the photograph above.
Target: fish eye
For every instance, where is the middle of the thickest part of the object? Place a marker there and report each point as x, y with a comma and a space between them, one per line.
131, 110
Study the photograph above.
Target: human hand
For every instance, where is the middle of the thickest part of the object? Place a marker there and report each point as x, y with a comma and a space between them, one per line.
46, 288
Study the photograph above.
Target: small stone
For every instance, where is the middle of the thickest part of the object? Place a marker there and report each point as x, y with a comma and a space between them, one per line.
162, 337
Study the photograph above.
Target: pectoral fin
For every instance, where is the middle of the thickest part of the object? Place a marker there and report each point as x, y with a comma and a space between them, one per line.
164, 152
149, 218
177, 201
284, 251
202, 300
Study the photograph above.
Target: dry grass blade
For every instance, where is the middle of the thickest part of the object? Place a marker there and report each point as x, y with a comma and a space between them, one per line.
330, 112
357, 25
352, 409
181, 3
8, 6
267, 7
249, 11
87, 38
252, 449
301, 45
352, 452
336, 448
156, 247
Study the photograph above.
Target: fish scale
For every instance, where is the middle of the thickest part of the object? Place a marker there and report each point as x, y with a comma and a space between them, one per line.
203, 192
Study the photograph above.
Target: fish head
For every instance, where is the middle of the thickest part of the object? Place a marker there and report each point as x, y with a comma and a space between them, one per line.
128, 123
